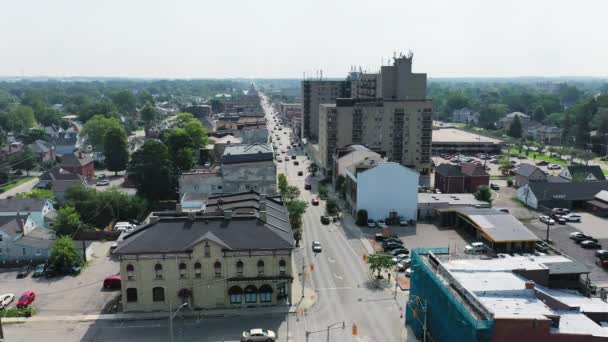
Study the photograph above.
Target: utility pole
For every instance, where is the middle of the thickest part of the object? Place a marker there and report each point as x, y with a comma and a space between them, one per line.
303, 275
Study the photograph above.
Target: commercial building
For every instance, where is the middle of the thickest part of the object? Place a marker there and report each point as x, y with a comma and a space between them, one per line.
384, 189
236, 252
315, 93
466, 177
558, 194
457, 141
395, 117
352, 155
503, 299
428, 203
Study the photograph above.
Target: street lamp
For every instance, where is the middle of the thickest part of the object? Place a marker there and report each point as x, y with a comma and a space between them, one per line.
171, 316
425, 308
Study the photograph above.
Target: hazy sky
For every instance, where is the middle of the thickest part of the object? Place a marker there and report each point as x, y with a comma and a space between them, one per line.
284, 38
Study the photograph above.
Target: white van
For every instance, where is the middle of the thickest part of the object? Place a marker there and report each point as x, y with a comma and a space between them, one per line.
123, 227
474, 248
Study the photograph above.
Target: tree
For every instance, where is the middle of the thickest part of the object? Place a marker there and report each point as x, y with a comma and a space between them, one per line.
115, 149
296, 209
183, 160
96, 129
181, 148
323, 192
313, 168
282, 184
26, 160
20, 118
379, 262
483, 193
197, 133
34, 134
148, 114
361, 217
539, 114
292, 193
67, 221
331, 207
38, 193
124, 100
64, 254
515, 129
217, 106
504, 165
152, 171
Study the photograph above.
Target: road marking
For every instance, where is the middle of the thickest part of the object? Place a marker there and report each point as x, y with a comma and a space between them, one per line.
334, 288
337, 276
330, 259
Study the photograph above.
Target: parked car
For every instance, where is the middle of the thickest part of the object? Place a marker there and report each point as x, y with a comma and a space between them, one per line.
6, 300
590, 244
392, 246
72, 270
316, 247
112, 282
39, 271
103, 182
542, 163
381, 224
398, 251
408, 272
474, 248
560, 211
379, 237
559, 219
403, 221
26, 299
572, 217
307, 186
24, 271
123, 226
295, 162
315, 201
255, 335
573, 235
300, 173
541, 246
293, 157
553, 167
546, 220
325, 219
50, 272
494, 186
586, 238
504, 210
601, 253
371, 223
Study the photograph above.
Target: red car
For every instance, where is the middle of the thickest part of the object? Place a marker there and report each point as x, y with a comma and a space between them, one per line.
26, 299
315, 201
112, 282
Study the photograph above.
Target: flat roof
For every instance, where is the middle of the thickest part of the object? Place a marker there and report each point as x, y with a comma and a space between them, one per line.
451, 199
454, 135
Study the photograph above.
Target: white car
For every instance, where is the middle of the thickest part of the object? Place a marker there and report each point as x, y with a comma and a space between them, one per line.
316, 247
572, 217
553, 167
255, 335
123, 227
474, 248
381, 224
547, 220
6, 300
408, 272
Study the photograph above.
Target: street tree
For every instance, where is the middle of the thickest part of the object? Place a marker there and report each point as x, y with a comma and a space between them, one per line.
152, 171
379, 262
331, 207
34, 134
38, 193
115, 149
282, 184
296, 209
67, 221
313, 168
323, 192
292, 193
64, 254
124, 100
97, 127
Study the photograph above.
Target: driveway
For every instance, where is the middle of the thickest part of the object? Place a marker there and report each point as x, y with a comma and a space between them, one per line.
67, 295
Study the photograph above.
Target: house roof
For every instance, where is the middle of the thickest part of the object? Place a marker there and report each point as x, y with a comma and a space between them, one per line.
465, 169
595, 170
244, 231
22, 205
572, 191
470, 169
11, 225
66, 138
448, 170
602, 196
557, 179
35, 242
40, 146
75, 159
242, 153
526, 170
58, 173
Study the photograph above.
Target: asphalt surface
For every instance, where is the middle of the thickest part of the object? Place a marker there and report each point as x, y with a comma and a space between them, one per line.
344, 288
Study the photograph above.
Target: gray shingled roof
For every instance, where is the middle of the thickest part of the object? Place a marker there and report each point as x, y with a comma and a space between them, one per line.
526, 169
22, 205
571, 191
595, 170
242, 153
449, 170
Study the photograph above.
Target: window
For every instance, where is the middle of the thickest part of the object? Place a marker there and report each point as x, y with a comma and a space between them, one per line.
282, 267
236, 295
260, 267
158, 294
207, 250
218, 269
131, 295
38, 252
130, 272
183, 271
251, 294
265, 293
23, 251
239, 268
197, 270
158, 271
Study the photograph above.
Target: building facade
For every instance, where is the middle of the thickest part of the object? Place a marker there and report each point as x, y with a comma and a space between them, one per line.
315, 93
463, 178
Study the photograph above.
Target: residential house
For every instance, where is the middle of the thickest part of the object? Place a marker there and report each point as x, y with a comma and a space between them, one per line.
44, 152
549, 135
385, 189
508, 119
66, 142
235, 253
58, 180
41, 211
526, 173
463, 178
10, 150
78, 163
22, 242
582, 173
559, 195
465, 116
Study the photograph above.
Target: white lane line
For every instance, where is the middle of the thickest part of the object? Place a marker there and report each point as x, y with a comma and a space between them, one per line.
337, 276
330, 259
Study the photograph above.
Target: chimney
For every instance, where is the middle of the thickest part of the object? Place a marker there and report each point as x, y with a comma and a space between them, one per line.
227, 214
529, 285
262, 215
153, 219
178, 208
262, 203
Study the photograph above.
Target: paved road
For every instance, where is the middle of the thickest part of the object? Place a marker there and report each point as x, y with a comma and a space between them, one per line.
25, 187
340, 278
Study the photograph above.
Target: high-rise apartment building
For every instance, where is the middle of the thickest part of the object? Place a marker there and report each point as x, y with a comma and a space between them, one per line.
315, 93
389, 111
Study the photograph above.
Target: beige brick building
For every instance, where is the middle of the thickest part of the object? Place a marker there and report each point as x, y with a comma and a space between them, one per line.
237, 253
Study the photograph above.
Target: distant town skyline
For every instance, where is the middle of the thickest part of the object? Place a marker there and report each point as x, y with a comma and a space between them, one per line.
279, 39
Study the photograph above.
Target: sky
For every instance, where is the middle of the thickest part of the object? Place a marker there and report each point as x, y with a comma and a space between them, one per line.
287, 38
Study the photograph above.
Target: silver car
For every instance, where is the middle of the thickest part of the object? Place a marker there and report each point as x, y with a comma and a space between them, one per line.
255, 335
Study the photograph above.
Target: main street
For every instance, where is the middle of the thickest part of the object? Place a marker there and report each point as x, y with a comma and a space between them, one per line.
340, 279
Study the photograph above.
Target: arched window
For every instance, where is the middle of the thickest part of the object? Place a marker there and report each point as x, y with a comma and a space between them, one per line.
260, 267
282, 267
158, 271
130, 272
217, 267
251, 294
197, 270
239, 268
236, 295
183, 271
207, 250
158, 294
265, 293
131, 294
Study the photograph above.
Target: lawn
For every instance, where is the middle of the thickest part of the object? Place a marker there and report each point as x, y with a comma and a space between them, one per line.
16, 183
541, 156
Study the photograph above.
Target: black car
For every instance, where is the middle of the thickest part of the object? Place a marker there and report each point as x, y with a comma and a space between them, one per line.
559, 219
50, 272
325, 219
583, 237
392, 240
494, 186
391, 246
379, 237
398, 251
588, 238
300, 173
590, 244
24, 272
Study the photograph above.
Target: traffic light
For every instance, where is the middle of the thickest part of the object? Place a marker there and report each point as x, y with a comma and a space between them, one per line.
354, 329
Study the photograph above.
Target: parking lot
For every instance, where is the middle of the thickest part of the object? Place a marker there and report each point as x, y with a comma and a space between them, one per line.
65, 295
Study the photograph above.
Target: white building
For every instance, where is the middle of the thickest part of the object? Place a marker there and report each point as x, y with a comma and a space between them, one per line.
382, 189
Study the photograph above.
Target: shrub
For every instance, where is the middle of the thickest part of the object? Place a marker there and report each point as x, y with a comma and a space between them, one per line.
509, 182
14, 312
